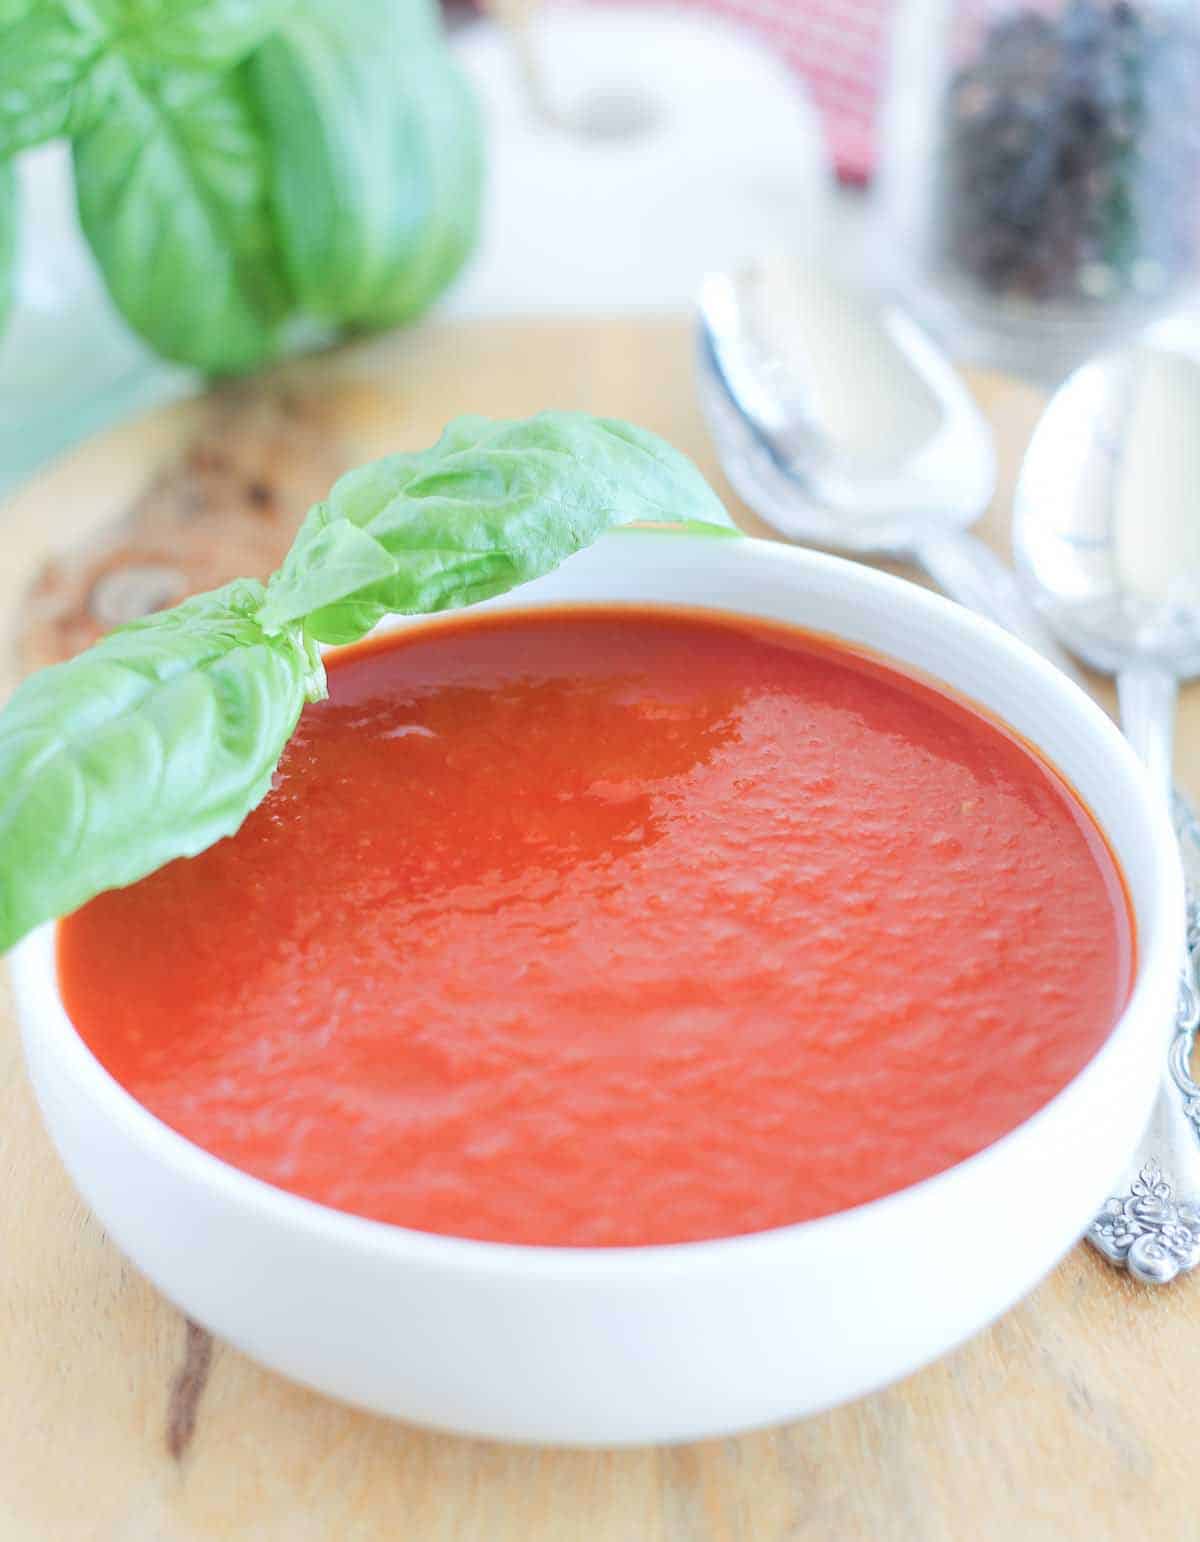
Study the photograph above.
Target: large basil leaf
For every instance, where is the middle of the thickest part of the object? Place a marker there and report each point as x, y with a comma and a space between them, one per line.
45, 56
52, 50
8, 236
376, 158
151, 745
491, 505
171, 184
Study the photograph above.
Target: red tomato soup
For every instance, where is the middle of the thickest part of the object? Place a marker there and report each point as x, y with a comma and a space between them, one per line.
612, 925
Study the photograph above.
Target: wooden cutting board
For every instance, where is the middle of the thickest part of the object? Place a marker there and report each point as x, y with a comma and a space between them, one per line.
1070, 1418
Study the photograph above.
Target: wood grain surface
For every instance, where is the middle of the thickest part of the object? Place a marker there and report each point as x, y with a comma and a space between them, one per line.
119, 1422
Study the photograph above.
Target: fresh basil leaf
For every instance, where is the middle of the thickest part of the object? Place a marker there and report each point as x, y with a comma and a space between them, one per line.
376, 157
152, 745
45, 57
52, 49
8, 236
491, 505
171, 184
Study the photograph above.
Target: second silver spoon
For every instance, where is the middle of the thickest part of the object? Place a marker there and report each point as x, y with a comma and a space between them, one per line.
1106, 532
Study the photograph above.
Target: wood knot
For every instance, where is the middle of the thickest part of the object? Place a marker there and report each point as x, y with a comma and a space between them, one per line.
131, 592
187, 1388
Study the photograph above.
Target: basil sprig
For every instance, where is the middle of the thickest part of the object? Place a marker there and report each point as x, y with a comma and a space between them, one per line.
171, 182
160, 739
245, 169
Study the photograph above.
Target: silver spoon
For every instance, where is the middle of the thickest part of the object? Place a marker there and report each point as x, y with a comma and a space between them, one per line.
842, 423
1106, 531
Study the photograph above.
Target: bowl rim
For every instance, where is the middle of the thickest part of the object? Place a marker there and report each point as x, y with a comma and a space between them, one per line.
33, 971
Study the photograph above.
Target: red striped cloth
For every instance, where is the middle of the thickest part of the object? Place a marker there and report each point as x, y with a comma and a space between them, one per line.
838, 47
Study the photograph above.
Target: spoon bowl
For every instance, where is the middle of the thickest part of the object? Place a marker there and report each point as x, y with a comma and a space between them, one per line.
848, 410
1106, 519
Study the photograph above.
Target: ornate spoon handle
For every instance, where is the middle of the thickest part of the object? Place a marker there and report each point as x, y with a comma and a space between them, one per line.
1153, 1227
1150, 1229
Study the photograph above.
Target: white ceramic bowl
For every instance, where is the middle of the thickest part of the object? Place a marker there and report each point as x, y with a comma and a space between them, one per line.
628, 1345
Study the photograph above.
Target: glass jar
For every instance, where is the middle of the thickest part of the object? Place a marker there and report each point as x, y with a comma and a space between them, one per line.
1039, 181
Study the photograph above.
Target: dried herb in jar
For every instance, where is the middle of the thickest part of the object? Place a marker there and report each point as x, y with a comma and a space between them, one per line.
1072, 153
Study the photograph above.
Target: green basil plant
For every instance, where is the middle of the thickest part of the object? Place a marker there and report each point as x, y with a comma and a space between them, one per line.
243, 163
